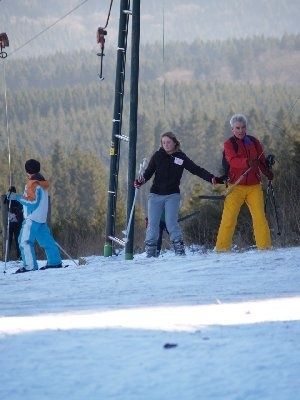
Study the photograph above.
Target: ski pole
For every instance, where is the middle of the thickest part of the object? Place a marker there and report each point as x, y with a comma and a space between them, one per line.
188, 216
69, 257
231, 187
127, 231
271, 189
227, 191
130, 216
240, 178
211, 197
267, 196
7, 237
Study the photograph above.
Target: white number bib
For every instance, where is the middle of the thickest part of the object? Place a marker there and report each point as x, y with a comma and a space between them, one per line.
178, 161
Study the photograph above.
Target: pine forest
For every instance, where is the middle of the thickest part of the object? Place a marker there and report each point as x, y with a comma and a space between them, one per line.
61, 113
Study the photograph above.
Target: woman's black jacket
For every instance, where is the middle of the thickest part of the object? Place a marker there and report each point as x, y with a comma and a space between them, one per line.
168, 170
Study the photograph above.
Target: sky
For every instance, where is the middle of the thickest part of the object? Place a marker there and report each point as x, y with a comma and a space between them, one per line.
203, 326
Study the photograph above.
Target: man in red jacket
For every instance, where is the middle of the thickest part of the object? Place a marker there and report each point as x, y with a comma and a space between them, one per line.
244, 152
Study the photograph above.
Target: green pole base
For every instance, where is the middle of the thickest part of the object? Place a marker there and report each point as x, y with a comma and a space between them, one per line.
107, 250
128, 256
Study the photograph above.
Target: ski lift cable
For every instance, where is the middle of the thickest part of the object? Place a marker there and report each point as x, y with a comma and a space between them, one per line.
49, 27
163, 56
108, 16
9, 162
7, 124
290, 113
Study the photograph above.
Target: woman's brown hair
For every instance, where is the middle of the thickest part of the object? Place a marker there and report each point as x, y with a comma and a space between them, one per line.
171, 136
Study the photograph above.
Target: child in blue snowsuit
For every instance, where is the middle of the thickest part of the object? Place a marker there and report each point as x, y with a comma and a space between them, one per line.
35, 228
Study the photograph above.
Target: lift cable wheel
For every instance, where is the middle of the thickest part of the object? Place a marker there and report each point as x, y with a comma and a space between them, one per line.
101, 33
4, 42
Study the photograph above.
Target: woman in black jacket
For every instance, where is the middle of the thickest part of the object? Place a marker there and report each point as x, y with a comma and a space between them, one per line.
167, 165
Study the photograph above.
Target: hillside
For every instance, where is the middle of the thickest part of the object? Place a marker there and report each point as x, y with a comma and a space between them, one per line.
258, 60
59, 111
195, 19
61, 98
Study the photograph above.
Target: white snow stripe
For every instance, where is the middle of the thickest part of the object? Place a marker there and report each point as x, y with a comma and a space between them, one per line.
177, 318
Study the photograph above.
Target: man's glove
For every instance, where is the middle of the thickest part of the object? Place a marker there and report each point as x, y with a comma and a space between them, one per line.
269, 174
11, 196
253, 163
218, 180
139, 182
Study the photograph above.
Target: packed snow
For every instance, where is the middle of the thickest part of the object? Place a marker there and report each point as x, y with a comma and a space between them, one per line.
203, 326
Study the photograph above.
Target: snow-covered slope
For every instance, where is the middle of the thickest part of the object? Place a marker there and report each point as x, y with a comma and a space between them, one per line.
99, 331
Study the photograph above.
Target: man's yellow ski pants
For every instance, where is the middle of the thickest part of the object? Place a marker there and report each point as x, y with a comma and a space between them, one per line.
253, 196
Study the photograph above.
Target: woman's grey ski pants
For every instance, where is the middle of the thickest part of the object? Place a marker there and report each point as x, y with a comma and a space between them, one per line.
156, 205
